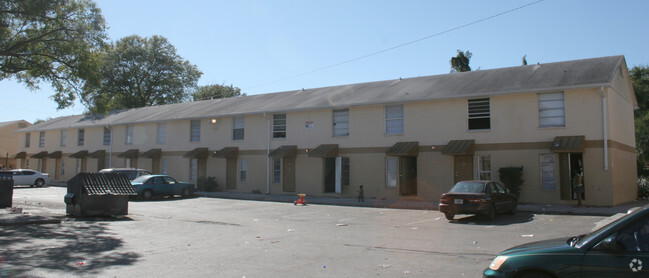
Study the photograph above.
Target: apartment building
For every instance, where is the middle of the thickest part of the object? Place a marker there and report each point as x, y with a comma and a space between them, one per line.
9, 143
403, 137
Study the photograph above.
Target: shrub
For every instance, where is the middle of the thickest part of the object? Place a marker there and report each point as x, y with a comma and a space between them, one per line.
512, 178
207, 184
643, 188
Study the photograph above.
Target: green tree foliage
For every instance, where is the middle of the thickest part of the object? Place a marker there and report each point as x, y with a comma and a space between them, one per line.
49, 40
460, 63
640, 80
215, 91
137, 72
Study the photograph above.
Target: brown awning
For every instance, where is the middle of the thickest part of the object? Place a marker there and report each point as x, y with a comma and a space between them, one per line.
227, 152
55, 154
404, 149
568, 144
324, 150
132, 153
153, 153
20, 155
197, 153
459, 147
80, 154
100, 154
42, 154
284, 152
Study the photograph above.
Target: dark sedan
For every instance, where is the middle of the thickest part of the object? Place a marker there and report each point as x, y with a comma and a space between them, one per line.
150, 186
619, 249
477, 197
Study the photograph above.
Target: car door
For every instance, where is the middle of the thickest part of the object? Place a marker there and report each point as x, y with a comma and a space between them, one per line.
160, 187
19, 178
173, 187
504, 200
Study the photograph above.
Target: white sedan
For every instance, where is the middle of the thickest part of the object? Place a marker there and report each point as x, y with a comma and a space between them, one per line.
30, 177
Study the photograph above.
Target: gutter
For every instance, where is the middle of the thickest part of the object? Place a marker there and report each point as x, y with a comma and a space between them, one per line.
605, 128
267, 153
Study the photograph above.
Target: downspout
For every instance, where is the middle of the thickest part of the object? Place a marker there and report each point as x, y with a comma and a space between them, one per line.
267, 153
605, 127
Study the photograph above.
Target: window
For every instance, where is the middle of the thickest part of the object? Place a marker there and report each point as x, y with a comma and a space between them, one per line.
164, 166
107, 135
78, 167
341, 122
344, 177
41, 139
28, 138
279, 126
80, 137
551, 110
193, 169
548, 179
62, 167
129, 134
484, 167
162, 133
195, 132
237, 128
64, 137
479, 115
391, 171
394, 119
277, 170
243, 170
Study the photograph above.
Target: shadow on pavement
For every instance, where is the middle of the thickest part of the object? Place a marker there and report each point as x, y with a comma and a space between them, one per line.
501, 219
72, 248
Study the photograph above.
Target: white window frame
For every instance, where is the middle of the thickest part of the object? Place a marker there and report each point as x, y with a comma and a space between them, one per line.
277, 170
193, 169
164, 166
81, 136
279, 126
243, 170
129, 134
548, 172
78, 165
41, 139
484, 167
345, 176
62, 167
340, 122
394, 119
195, 131
64, 138
161, 133
479, 109
238, 128
28, 139
552, 110
391, 172
107, 136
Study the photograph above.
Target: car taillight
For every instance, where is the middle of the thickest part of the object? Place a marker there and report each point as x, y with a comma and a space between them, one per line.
445, 199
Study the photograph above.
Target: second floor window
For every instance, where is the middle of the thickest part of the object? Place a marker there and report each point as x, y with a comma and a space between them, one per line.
161, 137
129, 134
195, 131
41, 139
81, 137
394, 119
341, 122
107, 132
64, 137
28, 138
551, 110
238, 128
279, 126
479, 114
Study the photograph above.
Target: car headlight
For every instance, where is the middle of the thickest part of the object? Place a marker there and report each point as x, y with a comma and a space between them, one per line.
498, 262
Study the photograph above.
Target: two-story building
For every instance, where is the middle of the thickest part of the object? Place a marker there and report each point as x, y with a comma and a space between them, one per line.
9, 143
403, 137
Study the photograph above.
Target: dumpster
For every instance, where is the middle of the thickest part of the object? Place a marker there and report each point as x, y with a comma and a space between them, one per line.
98, 194
6, 189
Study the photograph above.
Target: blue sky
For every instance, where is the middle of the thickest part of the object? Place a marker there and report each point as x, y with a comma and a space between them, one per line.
274, 46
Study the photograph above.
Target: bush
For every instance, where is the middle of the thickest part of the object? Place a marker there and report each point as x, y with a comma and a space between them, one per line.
643, 188
207, 184
512, 178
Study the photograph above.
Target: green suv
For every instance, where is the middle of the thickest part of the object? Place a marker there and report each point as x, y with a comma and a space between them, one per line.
619, 249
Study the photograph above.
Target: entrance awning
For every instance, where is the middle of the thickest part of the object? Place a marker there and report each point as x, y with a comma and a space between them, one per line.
55, 155
197, 153
42, 154
153, 153
324, 151
227, 152
132, 153
100, 154
404, 149
20, 155
285, 151
80, 154
568, 144
459, 147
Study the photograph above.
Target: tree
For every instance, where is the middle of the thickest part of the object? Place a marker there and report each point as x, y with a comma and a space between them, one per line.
215, 91
640, 81
137, 72
49, 40
460, 63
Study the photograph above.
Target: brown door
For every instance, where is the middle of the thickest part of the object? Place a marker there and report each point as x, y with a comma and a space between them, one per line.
288, 175
231, 173
408, 175
463, 168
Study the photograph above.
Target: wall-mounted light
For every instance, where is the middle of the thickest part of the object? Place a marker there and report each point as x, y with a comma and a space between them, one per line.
213, 121
307, 150
432, 148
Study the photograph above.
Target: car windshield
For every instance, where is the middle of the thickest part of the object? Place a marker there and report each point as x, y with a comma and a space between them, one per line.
580, 240
140, 179
464, 186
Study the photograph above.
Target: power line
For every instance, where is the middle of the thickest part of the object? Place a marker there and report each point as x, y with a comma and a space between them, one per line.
397, 46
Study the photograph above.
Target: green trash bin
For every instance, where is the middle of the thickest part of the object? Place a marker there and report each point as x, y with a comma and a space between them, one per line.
6, 189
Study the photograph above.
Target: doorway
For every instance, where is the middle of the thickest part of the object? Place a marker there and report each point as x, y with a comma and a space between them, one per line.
329, 172
288, 174
571, 168
407, 175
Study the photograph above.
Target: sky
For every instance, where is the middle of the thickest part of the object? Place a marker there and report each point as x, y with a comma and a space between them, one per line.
280, 45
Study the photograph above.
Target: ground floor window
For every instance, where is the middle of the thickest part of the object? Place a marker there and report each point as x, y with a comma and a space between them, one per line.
164, 166
484, 167
243, 169
391, 171
193, 169
344, 177
548, 175
78, 168
277, 170
62, 167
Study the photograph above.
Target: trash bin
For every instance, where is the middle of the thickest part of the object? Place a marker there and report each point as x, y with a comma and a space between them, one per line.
6, 189
98, 194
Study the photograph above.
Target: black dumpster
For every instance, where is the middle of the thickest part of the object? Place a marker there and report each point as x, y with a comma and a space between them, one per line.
6, 189
98, 194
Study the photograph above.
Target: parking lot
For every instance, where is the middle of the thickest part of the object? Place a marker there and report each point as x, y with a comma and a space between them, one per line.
237, 238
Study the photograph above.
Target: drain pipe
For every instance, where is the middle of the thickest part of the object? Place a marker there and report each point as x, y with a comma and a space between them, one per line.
605, 127
267, 153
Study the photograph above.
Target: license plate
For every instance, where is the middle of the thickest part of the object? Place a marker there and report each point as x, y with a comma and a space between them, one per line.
458, 201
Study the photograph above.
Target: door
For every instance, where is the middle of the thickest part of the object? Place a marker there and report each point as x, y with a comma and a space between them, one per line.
329, 172
288, 174
408, 175
231, 173
463, 168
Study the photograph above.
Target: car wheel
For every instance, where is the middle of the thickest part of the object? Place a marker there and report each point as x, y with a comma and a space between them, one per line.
39, 183
147, 195
491, 213
449, 215
186, 193
535, 275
